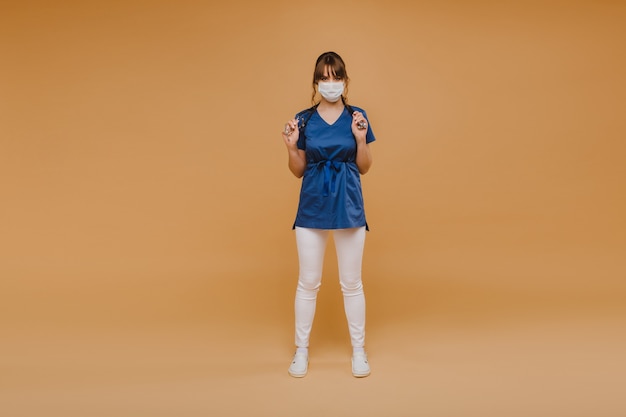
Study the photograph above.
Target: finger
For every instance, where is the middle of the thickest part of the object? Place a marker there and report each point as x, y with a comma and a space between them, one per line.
360, 122
289, 127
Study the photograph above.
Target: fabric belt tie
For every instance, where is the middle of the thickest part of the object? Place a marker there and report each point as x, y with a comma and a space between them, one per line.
330, 167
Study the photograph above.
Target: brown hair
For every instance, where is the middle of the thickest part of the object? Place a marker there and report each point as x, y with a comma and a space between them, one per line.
337, 68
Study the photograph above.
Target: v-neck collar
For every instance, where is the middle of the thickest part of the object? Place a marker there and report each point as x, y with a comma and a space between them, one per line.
334, 121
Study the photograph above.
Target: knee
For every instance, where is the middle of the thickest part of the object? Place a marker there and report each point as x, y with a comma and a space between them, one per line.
351, 284
309, 282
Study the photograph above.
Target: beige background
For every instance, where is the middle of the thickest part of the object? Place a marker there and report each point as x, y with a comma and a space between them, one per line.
147, 262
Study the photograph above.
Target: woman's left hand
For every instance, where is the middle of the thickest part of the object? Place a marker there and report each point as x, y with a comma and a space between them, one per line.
359, 126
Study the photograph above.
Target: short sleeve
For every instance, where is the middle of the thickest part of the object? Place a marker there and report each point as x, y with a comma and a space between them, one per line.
369, 136
302, 118
301, 140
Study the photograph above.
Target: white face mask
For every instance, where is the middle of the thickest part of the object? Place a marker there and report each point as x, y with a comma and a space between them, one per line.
331, 91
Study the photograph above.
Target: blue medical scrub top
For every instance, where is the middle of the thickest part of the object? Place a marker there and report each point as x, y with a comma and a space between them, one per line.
331, 195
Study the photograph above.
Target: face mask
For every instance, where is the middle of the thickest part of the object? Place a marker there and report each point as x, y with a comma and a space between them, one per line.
330, 91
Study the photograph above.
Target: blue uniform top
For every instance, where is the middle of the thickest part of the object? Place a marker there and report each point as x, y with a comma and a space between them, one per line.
331, 196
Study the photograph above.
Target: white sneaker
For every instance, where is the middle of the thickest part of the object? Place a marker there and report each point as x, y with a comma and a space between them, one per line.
360, 367
299, 365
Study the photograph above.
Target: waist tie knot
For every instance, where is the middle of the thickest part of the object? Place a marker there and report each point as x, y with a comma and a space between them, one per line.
330, 168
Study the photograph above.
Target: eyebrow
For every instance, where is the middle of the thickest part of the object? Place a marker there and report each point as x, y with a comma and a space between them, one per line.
331, 73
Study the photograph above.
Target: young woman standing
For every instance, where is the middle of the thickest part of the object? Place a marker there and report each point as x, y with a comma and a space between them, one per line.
328, 147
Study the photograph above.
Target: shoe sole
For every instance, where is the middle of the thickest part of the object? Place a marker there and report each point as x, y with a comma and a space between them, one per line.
295, 375
363, 375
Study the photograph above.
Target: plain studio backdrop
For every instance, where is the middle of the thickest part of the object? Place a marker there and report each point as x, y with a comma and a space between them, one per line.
147, 260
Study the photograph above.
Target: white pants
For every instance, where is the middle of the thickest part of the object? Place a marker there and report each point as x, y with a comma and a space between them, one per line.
349, 244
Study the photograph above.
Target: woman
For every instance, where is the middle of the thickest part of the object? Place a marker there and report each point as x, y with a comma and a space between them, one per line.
328, 146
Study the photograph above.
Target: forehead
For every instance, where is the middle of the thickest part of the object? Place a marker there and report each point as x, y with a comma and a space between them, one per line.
332, 70
329, 70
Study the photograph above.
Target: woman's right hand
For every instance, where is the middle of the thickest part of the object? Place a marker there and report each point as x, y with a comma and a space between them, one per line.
291, 134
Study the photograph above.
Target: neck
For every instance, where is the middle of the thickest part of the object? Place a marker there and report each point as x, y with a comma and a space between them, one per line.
327, 105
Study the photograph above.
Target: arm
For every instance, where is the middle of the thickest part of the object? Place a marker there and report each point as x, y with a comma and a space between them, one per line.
363, 153
297, 162
297, 157
363, 157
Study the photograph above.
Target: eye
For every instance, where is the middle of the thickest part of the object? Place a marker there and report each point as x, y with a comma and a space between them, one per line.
323, 78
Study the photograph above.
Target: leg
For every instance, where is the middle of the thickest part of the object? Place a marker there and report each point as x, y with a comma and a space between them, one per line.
349, 244
311, 246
